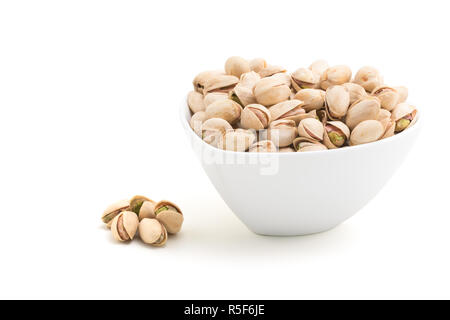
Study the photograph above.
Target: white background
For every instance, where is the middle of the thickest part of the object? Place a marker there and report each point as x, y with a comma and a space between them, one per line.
89, 92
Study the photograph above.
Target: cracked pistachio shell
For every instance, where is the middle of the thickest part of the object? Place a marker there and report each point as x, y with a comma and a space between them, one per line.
196, 122
286, 150
314, 99
170, 215
237, 140
402, 92
282, 132
288, 110
255, 116
257, 64
152, 232
369, 78
335, 76
147, 210
113, 210
200, 80
356, 91
220, 83
213, 97
263, 146
389, 97
336, 134
270, 71
285, 77
249, 79
390, 130
236, 66
364, 109
136, 203
303, 78
384, 117
242, 95
366, 131
303, 144
318, 67
214, 129
195, 101
271, 90
311, 128
124, 226
228, 110
404, 115
337, 101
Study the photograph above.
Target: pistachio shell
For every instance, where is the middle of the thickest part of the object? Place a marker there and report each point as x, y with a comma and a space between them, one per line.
200, 80
390, 130
270, 71
406, 113
366, 131
304, 78
255, 116
263, 146
402, 92
288, 110
113, 210
196, 122
286, 150
242, 95
195, 101
214, 96
313, 99
318, 67
171, 218
214, 129
311, 128
364, 109
284, 77
147, 210
388, 96
337, 101
236, 66
303, 144
237, 140
356, 91
257, 64
124, 226
282, 132
369, 78
136, 203
335, 76
249, 79
152, 232
224, 109
384, 117
271, 90
335, 135
220, 83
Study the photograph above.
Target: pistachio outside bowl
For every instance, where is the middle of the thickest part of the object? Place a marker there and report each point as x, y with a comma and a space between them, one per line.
287, 194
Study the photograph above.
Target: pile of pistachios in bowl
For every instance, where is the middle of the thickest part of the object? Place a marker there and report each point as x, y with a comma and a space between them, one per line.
154, 220
257, 107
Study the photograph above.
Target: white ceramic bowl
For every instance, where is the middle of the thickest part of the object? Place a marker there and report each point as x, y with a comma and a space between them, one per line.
285, 194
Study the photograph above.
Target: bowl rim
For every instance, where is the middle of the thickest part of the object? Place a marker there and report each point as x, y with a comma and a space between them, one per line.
184, 109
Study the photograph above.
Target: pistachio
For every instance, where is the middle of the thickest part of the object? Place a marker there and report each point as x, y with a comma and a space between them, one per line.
147, 210
263, 146
255, 116
195, 101
220, 83
303, 144
201, 79
402, 92
286, 150
318, 67
214, 129
304, 78
242, 95
124, 226
237, 140
313, 99
388, 96
366, 131
364, 109
136, 203
335, 76
311, 128
236, 66
356, 91
336, 134
404, 115
170, 215
282, 132
213, 97
288, 110
257, 64
269, 71
224, 109
337, 101
369, 78
152, 232
384, 117
196, 122
271, 90
249, 79
390, 129
113, 210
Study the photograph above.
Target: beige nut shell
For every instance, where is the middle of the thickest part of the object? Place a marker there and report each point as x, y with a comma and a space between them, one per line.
311, 128
113, 210
288, 110
172, 220
124, 226
195, 101
367, 108
236, 66
367, 131
152, 232
147, 209
271, 90
224, 109
255, 116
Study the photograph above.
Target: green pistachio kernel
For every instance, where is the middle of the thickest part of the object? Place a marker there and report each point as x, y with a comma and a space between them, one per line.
236, 99
402, 124
337, 139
